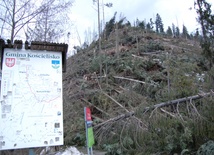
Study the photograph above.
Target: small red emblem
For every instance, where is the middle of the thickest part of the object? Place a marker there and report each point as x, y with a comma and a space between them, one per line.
10, 62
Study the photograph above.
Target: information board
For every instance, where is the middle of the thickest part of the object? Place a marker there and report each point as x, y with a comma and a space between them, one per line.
31, 112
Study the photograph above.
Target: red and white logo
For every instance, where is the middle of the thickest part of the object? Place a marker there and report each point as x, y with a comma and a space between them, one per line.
10, 62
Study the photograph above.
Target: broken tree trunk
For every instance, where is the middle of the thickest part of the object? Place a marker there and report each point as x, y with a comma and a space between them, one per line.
160, 105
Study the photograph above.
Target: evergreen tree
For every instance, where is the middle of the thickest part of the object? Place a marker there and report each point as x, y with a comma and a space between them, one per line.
196, 35
151, 23
128, 24
159, 24
169, 31
185, 33
206, 20
137, 23
121, 23
191, 36
173, 29
142, 25
110, 25
161, 29
177, 31
148, 26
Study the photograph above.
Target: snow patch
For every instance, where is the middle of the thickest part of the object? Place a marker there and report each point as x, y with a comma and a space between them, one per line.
70, 151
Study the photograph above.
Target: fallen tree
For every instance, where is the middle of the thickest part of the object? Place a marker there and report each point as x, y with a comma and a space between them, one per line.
159, 105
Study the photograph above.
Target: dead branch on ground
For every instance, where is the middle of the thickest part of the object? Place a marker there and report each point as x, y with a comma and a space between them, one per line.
123, 78
160, 105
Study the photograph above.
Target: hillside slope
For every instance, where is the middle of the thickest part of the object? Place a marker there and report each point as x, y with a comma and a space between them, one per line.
146, 69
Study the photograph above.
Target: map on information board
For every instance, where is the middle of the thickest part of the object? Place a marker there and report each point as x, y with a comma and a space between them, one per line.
31, 99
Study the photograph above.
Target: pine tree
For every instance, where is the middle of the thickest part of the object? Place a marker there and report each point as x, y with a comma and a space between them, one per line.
148, 26
197, 32
161, 28
110, 25
159, 24
137, 22
151, 23
185, 33
169, 31
206, 20
142, 25
177, 31
196, 35
173, 29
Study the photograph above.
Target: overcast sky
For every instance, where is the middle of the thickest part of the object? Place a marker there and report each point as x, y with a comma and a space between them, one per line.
84, 13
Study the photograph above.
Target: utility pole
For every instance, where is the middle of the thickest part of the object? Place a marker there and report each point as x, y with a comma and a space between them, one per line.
104, 36
98, 8
117, 40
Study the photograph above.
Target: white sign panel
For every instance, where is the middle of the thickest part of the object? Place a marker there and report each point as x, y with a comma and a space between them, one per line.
31, 99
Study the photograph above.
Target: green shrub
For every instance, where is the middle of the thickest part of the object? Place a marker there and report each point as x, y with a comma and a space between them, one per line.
206, 149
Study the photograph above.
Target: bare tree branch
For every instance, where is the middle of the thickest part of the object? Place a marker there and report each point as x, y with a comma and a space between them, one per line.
160, 105
123, 78
96, 107
23, 12
5, 21
22, 7
23, 25
7, 8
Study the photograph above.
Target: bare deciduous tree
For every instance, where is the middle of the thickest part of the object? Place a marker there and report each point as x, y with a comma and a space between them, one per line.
16, 14
50, 25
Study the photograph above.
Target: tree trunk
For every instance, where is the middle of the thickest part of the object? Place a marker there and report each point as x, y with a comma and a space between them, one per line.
159, 105
13, 22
